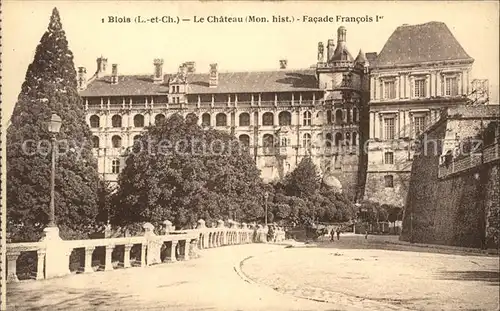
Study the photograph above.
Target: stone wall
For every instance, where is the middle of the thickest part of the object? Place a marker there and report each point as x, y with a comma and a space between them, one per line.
458, 209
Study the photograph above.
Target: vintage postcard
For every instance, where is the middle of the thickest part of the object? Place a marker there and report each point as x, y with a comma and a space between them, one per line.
302, 155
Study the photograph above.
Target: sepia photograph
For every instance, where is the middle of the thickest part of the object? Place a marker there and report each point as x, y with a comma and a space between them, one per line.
250, 155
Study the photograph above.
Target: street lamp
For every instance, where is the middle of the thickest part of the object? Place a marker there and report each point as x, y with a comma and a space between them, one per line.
54, 128
266, 196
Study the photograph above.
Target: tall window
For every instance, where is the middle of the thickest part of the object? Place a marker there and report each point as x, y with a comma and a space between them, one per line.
159, 118
419, 125
354, 139
307, 118
328, 140
139, 120
389, 90
205, 119
268, 143
221, 119
338, 139
451, 86
329, 117
354, 115
244, 119
389, 181
285, 118
115, 166
389, 158
94, 121
389, 129
116, 121
244, 140
116, 141
95, 142
267, 119
339, 116
419, 88
306, 141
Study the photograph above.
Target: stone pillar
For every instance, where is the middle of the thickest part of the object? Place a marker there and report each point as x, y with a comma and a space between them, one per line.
126, 255
57, 254
185, 250
143, 254
153, 245
377, 126
40, 275
173, 251
108, 264
12, 266
89, 250
168, 227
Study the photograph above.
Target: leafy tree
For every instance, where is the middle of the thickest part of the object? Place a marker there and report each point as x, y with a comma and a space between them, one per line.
50, 87
304, 180
180, 172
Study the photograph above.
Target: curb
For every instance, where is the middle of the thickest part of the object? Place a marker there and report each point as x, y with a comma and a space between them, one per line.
445, 247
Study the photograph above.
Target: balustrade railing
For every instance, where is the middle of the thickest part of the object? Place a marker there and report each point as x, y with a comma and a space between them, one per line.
53, 256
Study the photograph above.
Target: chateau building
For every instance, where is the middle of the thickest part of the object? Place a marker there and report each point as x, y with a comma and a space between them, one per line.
329, 111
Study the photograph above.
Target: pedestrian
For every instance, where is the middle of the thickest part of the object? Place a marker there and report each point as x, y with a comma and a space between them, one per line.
366, 234
332, 235
338, 233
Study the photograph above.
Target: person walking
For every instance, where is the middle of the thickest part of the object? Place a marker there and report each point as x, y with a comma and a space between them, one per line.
338, 233
366, 234
332, 235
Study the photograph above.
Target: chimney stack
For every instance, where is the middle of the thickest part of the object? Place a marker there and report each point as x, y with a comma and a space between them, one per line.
283, 63
341, 35
214, 76
82, 78
114, 73
183, 70
321, 51
158, 73
101, 66
330, 49
191, 66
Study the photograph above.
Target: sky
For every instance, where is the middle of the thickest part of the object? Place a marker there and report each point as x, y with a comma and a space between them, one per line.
235, 47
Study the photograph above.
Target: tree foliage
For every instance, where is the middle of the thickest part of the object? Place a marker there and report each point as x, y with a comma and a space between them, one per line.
180, 172
50, 87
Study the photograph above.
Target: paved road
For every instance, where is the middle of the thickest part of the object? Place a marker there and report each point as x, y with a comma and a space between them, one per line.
207, 283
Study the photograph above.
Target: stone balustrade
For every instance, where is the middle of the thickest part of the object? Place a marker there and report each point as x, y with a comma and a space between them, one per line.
489, 154
53, 255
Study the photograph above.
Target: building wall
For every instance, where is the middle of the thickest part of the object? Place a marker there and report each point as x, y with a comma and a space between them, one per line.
453, 209
404, 107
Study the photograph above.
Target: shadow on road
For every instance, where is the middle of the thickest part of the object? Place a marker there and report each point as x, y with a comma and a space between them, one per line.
492, 277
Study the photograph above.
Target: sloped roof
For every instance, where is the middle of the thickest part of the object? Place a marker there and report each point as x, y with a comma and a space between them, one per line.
229, 82
429, 42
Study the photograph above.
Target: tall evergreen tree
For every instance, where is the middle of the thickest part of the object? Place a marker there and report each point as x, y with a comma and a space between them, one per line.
304, 180
50, 87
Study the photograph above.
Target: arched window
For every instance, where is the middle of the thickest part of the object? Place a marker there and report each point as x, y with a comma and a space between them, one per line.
338, 139
354, 115
159, 118
285, 118
139, 120
221, 119
116, 121
347, 138
95, 142
348, 116
115, 166
116, 141
329, 117
268, 119
339, 116
94, 121
205, 119
306, 141
389, 181
244, 119
328, 140
244, 140
354, 139
307, 118
268, 143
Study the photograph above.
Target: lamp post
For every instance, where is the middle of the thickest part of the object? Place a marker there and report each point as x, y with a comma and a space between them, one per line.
54, 128
266, 196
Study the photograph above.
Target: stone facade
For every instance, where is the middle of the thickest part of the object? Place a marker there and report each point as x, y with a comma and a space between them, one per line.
453, 196
337, 111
